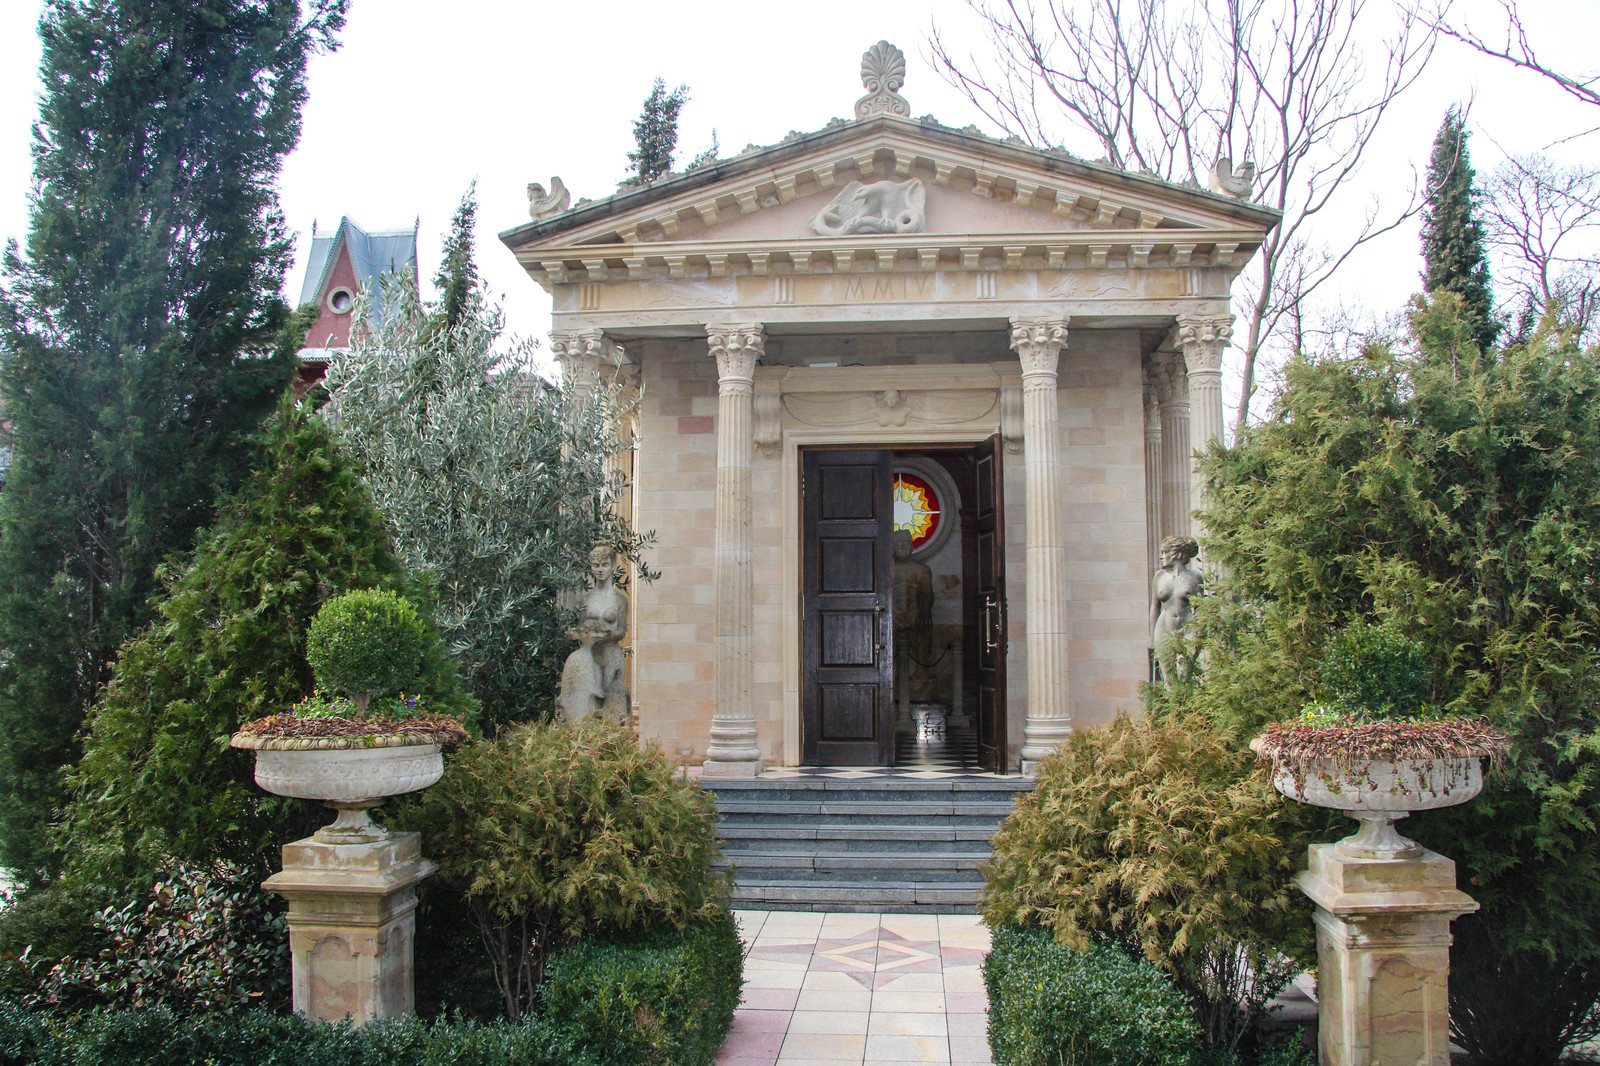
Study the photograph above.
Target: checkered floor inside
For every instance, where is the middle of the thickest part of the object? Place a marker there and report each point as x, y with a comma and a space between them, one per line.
916, 758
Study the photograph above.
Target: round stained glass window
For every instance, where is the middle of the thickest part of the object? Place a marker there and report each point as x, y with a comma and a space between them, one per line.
917, 508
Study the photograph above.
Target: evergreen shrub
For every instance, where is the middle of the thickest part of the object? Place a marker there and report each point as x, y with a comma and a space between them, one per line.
1051, 1005
163, 1037
157, 782
1452, 494
1159, 835
665, 997
551, 833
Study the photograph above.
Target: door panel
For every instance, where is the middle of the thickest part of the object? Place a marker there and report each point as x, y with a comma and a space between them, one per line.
990, 531
846, 712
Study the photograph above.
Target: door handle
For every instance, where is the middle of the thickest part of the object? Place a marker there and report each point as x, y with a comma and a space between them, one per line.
991, 622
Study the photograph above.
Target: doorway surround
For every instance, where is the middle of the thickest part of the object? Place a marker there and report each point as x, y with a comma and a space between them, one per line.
965, 386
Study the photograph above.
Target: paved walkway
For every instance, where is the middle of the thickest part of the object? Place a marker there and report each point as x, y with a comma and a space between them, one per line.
825, 989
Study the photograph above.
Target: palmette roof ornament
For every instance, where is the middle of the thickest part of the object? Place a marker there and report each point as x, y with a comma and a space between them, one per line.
883, 71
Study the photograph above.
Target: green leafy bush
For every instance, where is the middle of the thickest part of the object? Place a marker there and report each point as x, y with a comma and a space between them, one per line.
662, 998
496, 486
1161, 836
163, 1037
200, 941
367, 643
550, 833
1051, 1005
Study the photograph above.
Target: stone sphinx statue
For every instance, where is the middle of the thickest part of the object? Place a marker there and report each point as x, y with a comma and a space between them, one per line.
1176, 583
881, 207
592, 680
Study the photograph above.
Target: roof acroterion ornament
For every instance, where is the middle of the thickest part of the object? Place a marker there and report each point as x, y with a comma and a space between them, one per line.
541, 205
883, 71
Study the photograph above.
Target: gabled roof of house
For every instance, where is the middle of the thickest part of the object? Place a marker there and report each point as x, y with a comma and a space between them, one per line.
372, 254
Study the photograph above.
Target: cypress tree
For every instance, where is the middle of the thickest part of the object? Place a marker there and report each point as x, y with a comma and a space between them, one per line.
1452, 234
457, 279
656, 133
138, 328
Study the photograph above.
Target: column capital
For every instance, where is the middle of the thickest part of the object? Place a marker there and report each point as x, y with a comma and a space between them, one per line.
583, 353
1170, 377
1203, 338
1038, 343
737, 347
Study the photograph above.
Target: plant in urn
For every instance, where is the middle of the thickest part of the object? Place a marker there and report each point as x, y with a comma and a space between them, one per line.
363, 735
1373, 747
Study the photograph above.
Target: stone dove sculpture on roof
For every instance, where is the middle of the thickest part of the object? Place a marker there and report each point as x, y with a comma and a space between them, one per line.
541, 205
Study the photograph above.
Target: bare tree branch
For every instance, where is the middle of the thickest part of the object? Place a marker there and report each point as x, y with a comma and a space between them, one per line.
1543, 220
1168, 88
1515, 49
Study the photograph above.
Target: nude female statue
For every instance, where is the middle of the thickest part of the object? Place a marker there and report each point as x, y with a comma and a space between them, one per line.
1176, 583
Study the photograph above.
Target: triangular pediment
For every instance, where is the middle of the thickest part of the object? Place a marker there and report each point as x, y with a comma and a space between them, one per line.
973, 185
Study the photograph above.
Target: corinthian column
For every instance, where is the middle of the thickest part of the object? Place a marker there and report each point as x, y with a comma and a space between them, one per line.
733, 751
1038, 343
1204, 337
1172, 394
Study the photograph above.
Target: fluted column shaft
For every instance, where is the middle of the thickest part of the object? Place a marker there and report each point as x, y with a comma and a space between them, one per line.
733, 750
1038, 343
1172, 393
1152, 477
1204, 337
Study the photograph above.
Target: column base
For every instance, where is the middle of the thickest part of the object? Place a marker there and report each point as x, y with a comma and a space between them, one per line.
1383, 956
352, 923
1040, 738
732, 768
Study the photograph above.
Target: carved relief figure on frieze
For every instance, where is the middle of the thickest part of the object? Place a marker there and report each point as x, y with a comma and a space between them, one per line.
882, 207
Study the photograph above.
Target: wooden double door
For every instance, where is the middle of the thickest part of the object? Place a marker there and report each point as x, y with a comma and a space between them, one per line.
847, 688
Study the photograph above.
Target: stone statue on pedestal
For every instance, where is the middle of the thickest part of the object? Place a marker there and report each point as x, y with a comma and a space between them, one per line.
592, 680
1176, 583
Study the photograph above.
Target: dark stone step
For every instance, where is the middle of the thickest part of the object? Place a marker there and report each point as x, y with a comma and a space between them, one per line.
888, 809
946, 897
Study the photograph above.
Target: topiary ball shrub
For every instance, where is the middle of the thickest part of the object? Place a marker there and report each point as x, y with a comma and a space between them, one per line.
550, 833
1369, 671
1050, 1005
367, 643
665, 997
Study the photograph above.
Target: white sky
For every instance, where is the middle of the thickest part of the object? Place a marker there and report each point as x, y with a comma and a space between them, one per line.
422, 98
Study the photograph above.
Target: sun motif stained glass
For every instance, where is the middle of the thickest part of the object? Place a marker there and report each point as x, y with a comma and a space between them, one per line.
916, 508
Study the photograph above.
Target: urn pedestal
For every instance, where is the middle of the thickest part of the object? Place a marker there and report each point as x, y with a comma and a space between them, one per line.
1383, 956
352, 924
351, 886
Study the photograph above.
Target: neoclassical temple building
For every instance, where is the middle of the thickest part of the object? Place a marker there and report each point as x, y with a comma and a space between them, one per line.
1007, 353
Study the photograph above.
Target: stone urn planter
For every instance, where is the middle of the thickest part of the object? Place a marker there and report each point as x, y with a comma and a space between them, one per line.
1374, 790
350, 774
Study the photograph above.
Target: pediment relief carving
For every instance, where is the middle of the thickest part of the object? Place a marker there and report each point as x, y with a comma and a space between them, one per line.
892, 407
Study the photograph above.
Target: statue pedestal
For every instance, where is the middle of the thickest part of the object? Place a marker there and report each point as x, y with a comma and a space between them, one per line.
352, 923
1383, 956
